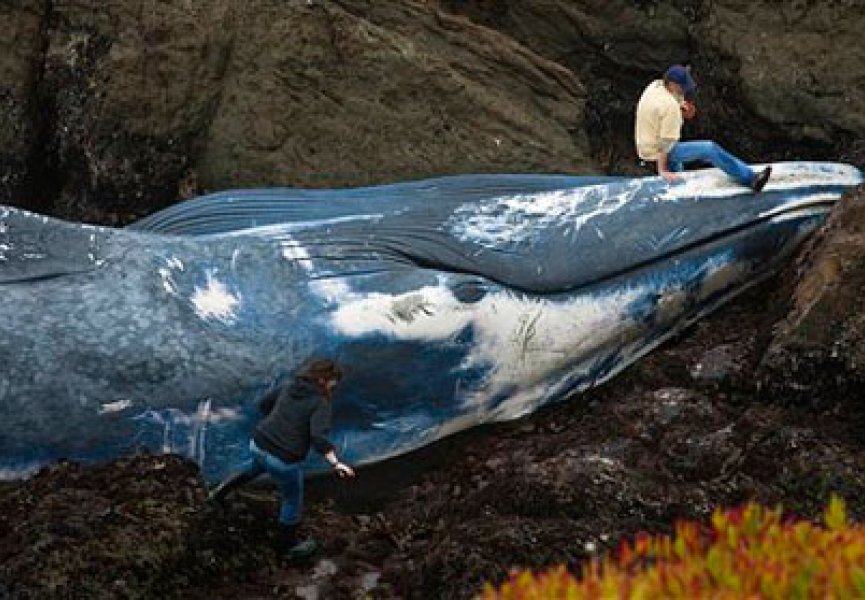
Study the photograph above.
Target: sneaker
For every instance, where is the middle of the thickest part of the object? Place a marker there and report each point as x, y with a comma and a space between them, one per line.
302, 550
761, 179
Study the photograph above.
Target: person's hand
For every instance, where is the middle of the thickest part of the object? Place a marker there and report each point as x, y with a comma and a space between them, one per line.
689, 110
670, 176
343, 470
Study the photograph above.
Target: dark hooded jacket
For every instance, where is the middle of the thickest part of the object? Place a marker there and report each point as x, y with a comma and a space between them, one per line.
297, 417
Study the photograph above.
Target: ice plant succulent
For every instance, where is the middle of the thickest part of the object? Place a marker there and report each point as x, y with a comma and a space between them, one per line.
748, 552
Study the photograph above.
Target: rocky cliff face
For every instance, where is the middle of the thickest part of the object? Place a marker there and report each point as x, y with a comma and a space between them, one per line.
817, 351
778, 80
109, 110
115, 109
20, 60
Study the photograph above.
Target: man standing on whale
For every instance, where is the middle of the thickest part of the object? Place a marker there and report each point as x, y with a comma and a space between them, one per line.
661, 111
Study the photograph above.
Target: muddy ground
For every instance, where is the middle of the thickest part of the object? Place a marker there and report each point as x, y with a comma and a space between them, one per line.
681, 432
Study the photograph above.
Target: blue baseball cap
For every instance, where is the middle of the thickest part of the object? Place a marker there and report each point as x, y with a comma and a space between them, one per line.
681, 75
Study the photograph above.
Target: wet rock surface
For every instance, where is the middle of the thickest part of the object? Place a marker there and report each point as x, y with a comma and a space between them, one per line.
818, 350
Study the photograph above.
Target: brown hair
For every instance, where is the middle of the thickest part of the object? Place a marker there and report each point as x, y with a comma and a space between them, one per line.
317, 370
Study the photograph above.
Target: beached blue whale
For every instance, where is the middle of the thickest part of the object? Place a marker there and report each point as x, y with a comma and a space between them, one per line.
449, 302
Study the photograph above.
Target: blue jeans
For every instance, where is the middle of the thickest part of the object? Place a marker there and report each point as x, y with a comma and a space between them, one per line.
288, 478
710, 152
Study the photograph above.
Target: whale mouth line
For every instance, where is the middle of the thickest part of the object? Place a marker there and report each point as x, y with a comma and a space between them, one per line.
805, 207
40, 277
817, 204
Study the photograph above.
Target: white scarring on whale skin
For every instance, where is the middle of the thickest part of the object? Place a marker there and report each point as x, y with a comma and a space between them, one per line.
502, 221
714, 183
215, 300
523, 338
523, 350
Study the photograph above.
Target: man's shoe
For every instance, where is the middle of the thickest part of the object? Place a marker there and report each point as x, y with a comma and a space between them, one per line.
294, 548
761, 179
302, 550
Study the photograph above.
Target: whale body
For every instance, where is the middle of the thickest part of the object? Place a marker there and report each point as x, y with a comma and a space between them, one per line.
448, 302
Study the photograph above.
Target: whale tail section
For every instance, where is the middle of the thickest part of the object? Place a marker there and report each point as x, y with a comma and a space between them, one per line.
35, 247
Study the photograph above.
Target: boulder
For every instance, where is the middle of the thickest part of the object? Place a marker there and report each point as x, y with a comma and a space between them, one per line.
335, 94
801, 65
777, 80
616, 47
130, 89
818, 349
145, 103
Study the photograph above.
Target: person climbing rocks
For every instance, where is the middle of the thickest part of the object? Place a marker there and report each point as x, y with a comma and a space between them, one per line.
661, 111
297, 417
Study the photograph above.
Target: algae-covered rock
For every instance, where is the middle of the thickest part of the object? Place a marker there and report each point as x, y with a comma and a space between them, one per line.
818, 350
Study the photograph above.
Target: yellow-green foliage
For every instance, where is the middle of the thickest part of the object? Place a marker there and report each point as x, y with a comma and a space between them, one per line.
750, 552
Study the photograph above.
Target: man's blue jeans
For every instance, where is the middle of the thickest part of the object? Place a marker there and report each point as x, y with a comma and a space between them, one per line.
288, 478
710, 152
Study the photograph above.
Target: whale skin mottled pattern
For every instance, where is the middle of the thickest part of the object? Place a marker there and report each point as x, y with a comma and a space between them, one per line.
449, 302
